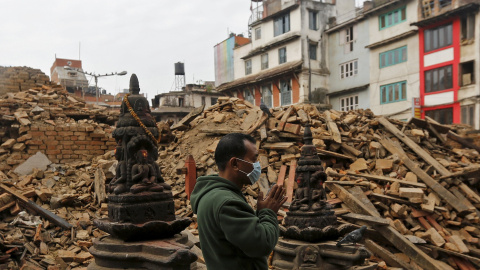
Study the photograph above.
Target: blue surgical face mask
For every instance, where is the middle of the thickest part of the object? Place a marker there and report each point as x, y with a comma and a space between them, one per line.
254, 175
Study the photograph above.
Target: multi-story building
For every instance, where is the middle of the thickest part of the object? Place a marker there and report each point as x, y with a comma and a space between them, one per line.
393, 50
348, 58
449, 51
285, 61
70, 79
174, 105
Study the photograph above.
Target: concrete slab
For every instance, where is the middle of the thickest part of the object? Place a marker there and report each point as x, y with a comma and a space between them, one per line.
38, 161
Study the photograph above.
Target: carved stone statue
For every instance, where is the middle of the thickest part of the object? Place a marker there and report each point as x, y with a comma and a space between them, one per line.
310, 224
140, 203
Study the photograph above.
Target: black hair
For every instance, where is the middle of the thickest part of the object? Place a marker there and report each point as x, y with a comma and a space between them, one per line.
231, 145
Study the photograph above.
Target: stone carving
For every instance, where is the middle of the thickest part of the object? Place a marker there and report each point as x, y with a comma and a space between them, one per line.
309, 208
141, 209
311, 224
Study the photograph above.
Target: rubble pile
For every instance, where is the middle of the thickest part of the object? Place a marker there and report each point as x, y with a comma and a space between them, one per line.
417, 180
32, 240
50, 120
416, 176
15, 79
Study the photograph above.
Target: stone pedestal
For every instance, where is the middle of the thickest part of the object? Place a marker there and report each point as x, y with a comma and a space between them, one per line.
300, 255
141, 207
165, 254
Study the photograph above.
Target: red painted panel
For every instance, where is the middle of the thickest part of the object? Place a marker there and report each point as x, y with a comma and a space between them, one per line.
455, 65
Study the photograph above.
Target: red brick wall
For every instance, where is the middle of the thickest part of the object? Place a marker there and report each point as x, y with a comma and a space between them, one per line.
69, 142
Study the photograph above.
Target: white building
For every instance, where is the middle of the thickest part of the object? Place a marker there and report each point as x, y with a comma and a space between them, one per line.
285, 61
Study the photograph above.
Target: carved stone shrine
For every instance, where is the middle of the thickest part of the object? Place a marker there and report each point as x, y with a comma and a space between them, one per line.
144, 232
311, 225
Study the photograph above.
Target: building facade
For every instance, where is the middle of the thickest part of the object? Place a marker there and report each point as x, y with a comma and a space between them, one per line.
348, 58
449, 53
70, 79
175, 105
285, 62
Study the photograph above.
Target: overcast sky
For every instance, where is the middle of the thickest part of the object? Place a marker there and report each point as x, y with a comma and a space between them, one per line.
142, 37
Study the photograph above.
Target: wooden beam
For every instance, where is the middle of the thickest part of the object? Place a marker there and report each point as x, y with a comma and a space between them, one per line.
368, 219
391, 234
191, 175
332, 127
322, 152
281, 175
278, 145
467, 170
415, 147
291, 180
37, 209
387, 256
462, 141
387, 179
472, 259
434, 185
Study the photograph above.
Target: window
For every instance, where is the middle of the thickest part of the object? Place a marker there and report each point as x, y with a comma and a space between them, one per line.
468, 114
282, 55
203, 101
349, 39
348, 69
248, 66
248, 94
393, 57
281, 25
312, 51
213, 101
264, 61
438, 79
285, 92
443, 116
180, 102
267, 95
258, 33
466, 73
313, 20
349, 103
468, 27
438, 37
392, 18
72, 74
393, 92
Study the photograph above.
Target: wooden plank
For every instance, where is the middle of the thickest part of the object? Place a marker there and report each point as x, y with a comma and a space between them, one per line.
291, 180
474, 260
8, 205
322, 152
278, 145
332, 127
219, 131
368, 219
187, 119
358, 193
191, 175
351, 150
285, 116
441, 191
391, 234
37, 209
260, 122
462, 141
415, 147
350, 183
387, 179
281, 175
467, 170
387, 256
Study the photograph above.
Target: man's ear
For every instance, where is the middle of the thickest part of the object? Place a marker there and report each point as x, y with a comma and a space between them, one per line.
233, 163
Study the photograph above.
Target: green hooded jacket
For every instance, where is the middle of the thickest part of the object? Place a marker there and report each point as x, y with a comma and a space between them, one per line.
232, 234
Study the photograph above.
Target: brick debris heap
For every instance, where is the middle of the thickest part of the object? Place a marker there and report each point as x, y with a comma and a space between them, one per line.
405, 190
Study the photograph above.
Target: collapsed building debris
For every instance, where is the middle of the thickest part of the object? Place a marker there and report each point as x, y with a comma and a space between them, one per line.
409, 180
